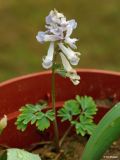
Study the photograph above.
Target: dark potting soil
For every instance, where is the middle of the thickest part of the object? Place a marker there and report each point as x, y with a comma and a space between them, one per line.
72, 149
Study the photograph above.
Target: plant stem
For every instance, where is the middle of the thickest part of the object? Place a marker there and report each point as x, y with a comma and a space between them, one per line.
66, 133
56, 135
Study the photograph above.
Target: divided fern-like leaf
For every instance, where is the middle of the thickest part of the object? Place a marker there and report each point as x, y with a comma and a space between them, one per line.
80, 113
50, 115
43, 123
70, 109
33, 114
88, 105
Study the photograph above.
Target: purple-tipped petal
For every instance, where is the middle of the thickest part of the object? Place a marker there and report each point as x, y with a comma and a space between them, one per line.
41, 37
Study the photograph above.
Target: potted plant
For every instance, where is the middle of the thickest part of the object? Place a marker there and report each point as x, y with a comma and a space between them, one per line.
103, 86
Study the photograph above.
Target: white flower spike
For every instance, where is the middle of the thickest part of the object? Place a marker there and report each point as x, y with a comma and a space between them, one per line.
59, 30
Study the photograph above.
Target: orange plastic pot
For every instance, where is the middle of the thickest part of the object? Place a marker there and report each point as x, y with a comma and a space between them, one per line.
31, 88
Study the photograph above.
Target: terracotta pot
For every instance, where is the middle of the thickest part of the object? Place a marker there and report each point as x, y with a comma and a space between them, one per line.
31, 88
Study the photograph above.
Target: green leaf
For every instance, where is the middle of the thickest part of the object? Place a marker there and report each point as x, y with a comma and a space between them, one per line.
33, 114
61, 71
18, 154
88, 105
80, 129
70, 108
90, 128
50, 115
28, 118
56, 66
30, 108
21, 126
84, 125
106, 132
84, 108
43, 123
63, 112
85, 120
33, 120
40, 115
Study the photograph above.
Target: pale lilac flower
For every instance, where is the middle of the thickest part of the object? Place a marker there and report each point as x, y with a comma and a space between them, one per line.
59, 30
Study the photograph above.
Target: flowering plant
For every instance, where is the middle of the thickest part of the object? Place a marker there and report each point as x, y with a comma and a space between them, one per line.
79, 111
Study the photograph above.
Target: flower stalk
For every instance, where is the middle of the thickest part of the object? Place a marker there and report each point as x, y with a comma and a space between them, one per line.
56, 135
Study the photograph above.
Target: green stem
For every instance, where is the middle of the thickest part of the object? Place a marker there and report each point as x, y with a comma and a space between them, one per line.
66, 133
56, 135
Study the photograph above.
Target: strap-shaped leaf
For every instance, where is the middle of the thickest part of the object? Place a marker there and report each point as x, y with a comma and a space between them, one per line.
107, 131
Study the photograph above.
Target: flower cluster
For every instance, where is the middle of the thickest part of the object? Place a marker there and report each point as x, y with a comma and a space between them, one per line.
59, 30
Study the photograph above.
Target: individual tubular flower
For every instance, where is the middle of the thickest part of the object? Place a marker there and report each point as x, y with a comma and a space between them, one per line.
66, 64
71, 73
44, 37
70, 27
71, 55
47, 61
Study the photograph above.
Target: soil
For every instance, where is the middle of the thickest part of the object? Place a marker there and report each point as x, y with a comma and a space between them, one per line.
72, 149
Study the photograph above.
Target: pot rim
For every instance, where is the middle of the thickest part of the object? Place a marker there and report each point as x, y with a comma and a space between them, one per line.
30, 75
